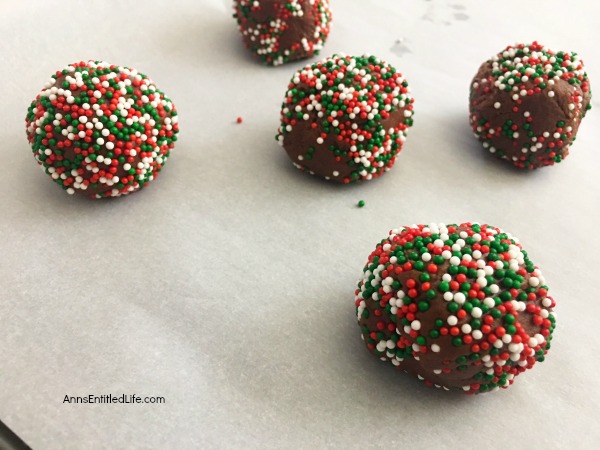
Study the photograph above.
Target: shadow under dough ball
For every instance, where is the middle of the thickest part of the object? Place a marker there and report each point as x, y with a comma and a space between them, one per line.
458, 306
280, 31
527, 102
101, 130
345, 118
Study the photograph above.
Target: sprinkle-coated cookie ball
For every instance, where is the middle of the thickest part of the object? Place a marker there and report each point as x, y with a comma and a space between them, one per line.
345, 118
458, 306
527, 102
101, 130
280, 31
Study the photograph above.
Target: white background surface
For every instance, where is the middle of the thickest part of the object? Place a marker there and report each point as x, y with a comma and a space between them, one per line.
227, 285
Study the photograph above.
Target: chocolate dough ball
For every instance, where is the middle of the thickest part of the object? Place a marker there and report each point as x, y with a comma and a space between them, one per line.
280, 31
345, 118
527, 102
101, 130
459, 306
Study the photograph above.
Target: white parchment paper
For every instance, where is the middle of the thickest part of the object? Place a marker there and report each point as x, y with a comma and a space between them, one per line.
227, 285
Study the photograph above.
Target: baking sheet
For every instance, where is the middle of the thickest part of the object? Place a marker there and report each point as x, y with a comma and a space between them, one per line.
227, 285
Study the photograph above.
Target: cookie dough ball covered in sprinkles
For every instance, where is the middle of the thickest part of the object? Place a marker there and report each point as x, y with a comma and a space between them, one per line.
101, 130
527, 103
345, 118
280, 31
459, 306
